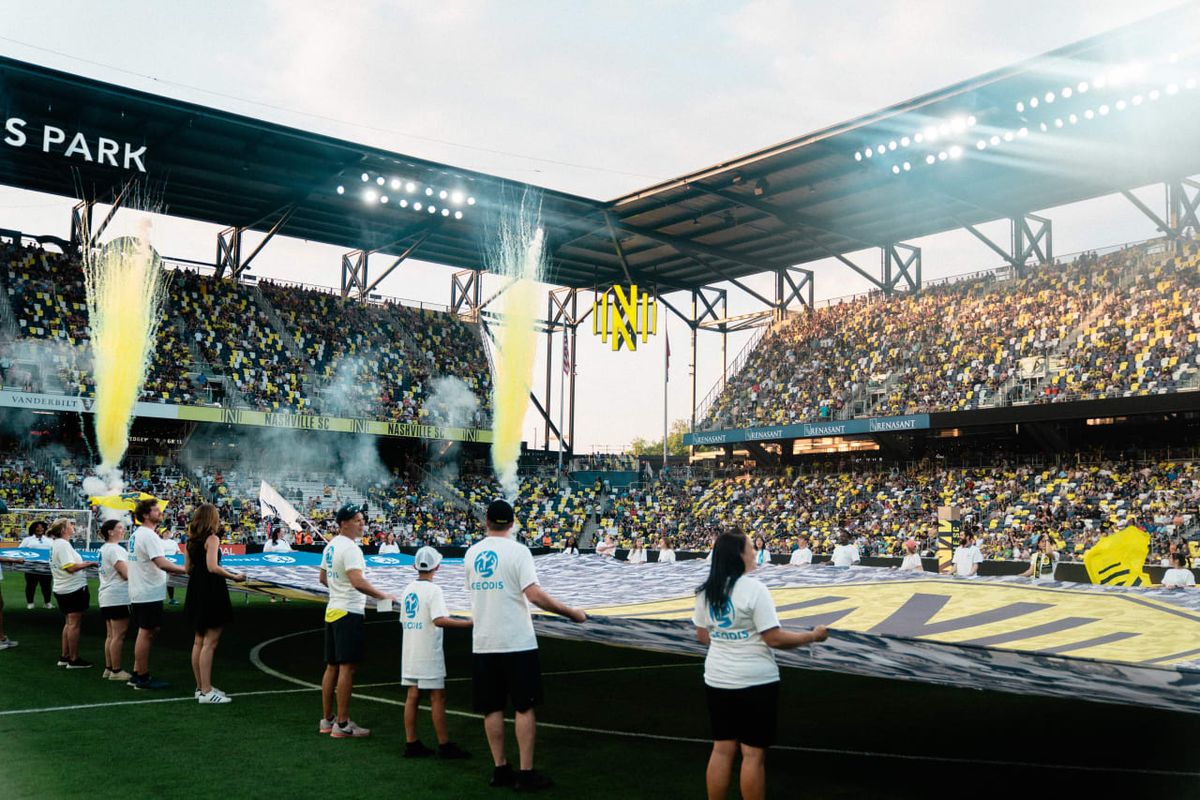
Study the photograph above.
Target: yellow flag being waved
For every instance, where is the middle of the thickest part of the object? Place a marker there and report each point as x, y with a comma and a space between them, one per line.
1119, 559
124, 501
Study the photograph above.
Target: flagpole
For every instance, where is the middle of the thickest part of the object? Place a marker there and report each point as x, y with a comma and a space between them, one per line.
561, 378
666, 380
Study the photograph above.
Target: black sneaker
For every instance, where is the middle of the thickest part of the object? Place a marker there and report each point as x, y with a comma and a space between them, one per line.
502, 776
451, 750
416, 749
530, 780
62, 661
79, 663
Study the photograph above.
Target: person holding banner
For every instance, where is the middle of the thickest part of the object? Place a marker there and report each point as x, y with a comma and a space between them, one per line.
148, 570
735, 618
114, 597
6, 642
207, 604
70, 589
342, 571
37, 540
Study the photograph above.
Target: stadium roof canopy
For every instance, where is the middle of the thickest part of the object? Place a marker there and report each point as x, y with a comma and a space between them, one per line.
796, 202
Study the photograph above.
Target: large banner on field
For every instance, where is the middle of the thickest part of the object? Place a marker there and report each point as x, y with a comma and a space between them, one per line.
264, 419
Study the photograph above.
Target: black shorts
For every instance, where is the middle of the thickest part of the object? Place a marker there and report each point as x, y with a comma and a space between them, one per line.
114, 612
749, 716
147, 616
346, 640
75, 602
499, 677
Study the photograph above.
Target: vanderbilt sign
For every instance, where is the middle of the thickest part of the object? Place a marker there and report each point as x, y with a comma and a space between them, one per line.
624, 316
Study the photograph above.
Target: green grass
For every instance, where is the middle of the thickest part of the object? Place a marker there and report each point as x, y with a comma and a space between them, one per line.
266, 745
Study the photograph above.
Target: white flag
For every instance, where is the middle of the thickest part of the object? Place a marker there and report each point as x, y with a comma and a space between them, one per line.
272, 504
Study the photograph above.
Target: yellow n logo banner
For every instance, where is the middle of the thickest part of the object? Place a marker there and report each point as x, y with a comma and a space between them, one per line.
624, 316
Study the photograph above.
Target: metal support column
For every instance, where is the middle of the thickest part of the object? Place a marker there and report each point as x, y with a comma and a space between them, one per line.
901, 262
1182, 207
354, 271
1033, 237
81, 224
788, 290
229, 251
466, 291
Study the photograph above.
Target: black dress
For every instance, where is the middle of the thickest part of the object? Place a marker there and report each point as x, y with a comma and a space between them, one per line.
207, 604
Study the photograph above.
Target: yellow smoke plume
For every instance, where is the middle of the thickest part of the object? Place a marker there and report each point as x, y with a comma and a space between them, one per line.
124, 283
520, 257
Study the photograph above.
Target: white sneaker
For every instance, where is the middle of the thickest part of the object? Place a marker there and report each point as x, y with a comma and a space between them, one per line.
349, 730
6, 643
106, 674
47, 605
213, 697
29, 605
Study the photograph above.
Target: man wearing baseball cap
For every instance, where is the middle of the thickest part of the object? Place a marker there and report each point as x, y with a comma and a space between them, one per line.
342, 567
423, 614
501, 578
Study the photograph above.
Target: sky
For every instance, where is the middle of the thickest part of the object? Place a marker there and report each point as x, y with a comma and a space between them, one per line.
595, 98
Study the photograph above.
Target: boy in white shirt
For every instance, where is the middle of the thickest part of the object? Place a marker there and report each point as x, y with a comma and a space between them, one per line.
502, 582
802, 554
423, 614
845, 554
967, 557
147, 571
342, 568
912, 561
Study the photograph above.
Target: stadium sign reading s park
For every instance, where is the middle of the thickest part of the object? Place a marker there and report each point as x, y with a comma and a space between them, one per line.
47, 138
624, 316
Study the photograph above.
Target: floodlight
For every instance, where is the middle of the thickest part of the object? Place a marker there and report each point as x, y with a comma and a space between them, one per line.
995, 140
1072, 119
1119, 105
1136, 100
1042, 127
920, 137
907, 166
858, 156
443, 194
971, 121
1103, 110
431, 209
370, 195
931, 133
410, 187
955, 151
944, 129
456, 198
395, 184
930, 159
383, 199
959, 125
981, 145
905, 141
1153, 95
366, 177
1190, 83
1049, 97
445, 212
1082, 87
1099, 82
429, 191
942, 156
1172, 88
1020, 107
380, 180
1089, 114
1066, 92
1008, 136
1023, 132
458, 215
895, 169
470, 201
1058, 123
341, 189
1033, 102
880, 149
403, 203
417, 206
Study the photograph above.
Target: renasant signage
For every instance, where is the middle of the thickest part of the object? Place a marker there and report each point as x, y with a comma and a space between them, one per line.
809, 430
238, 416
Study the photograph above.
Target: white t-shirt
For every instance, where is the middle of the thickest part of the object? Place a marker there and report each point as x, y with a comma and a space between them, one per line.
570, 551
280, 546
637, 557
666, 556
341, 555
36, 542
498, 571
170, 547
762, 557
606, 549
388, 549
147, 581
62, 555
912, 563
964, 557
420, 604
738, 657
1177, 576
801, 555
114, 590
845, 555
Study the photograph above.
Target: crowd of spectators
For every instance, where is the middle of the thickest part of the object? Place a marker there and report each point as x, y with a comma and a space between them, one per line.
1115, 325
340, 357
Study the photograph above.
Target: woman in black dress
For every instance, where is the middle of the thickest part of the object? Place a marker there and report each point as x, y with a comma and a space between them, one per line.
207, 605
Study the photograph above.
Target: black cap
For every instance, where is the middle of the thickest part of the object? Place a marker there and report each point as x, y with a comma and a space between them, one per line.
347, 512
500, 512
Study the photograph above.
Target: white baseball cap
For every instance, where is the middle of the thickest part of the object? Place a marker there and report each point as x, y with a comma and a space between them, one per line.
427, 559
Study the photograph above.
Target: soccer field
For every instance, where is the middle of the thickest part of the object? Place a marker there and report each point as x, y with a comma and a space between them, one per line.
617, 723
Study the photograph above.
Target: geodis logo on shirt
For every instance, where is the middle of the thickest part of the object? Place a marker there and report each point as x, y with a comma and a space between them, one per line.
411, 603
722, 616
485, 567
